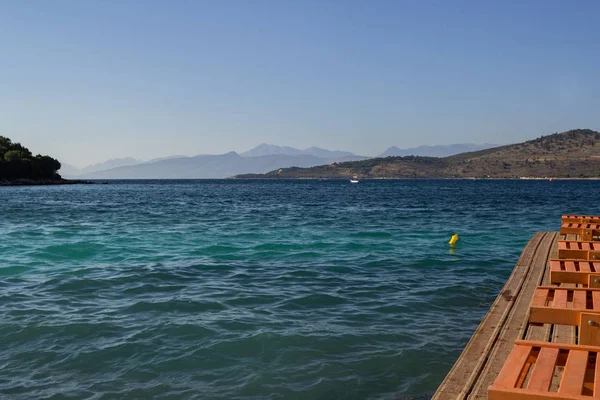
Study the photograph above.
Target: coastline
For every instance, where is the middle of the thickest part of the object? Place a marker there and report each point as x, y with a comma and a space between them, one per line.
43, 182
421, 178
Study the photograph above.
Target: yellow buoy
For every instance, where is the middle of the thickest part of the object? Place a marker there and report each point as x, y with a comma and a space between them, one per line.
453, 239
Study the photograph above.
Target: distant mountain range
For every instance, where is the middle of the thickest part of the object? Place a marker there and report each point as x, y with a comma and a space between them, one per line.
270, 149
572, 154
259, 160
436, 151
69, 170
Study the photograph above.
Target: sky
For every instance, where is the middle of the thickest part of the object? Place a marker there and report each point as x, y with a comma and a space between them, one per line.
87, 81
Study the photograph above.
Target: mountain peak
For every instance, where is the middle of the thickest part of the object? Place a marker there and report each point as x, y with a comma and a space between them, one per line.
265, 149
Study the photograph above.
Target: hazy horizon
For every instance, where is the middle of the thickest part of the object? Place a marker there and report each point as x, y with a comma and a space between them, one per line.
90, 81
139, 160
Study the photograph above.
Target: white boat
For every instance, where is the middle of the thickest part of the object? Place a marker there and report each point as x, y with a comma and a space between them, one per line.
354, 179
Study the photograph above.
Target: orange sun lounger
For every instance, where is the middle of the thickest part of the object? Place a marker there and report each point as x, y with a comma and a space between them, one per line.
586, 231
571, 249
529, 370
581, 219
575, 271
569, 306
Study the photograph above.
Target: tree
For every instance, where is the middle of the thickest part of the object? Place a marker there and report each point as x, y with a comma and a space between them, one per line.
12, 156
17, 162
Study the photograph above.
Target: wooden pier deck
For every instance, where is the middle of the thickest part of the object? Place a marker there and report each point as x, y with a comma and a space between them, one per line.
506, 321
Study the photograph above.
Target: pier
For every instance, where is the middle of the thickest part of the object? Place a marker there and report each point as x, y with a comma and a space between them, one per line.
508, 321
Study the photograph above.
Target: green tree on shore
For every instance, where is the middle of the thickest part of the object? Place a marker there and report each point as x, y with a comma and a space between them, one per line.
17, 162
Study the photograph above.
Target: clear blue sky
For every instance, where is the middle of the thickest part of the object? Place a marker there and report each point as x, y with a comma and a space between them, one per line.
89, 80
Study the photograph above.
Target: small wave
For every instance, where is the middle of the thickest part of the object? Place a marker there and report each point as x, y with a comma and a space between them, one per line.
376, 235
175, 306
314, 301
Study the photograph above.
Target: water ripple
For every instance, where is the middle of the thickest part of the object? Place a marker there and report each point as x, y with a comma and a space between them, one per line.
258, 290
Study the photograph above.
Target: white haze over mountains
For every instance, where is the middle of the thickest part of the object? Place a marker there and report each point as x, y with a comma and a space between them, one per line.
261, 159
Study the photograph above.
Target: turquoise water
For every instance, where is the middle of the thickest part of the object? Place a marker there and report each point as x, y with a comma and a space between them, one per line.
258, 289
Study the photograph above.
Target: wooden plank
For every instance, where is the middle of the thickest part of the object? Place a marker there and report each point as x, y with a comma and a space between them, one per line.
560, 299
516, 326
584, 266
579, 300
571, 289
560, 277
553, 345
564, 333
557, 316
574, 254
541, 377
510, 373
540, 297
467, 368
572, 380
595, 300
521, 394
530, 249
465, 372
542, 332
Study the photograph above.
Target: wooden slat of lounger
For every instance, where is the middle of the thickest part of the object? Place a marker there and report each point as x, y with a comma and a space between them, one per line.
570, 266
562, 277
584, 266
560, 299
540, 297
572, 380
579, 299
555, 265
595, 266
553, 345
565, 333
520, 394
508, 376
595, 300
541, 377
569, 288
578, 245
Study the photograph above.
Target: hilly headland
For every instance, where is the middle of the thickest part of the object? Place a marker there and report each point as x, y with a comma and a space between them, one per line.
571, 154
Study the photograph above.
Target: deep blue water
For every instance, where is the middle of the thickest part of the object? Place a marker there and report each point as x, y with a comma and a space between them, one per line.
256, 290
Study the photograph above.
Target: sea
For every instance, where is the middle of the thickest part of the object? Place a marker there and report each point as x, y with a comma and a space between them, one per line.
257, 289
